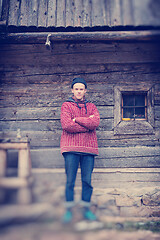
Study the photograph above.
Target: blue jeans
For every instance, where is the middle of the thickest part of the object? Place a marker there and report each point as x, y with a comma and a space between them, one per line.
72, 161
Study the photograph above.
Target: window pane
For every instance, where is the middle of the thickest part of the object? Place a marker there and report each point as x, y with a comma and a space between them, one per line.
139, 100
128, 100
128, 113
140, 112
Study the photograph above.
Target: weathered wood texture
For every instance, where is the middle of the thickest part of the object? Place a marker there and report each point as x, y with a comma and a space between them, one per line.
113, 178
112, 157
103, 36
80, 13
35, 82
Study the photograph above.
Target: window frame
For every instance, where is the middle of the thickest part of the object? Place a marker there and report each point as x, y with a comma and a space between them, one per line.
136, 126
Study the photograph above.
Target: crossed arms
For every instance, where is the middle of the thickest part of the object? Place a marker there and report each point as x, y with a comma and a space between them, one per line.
78, 124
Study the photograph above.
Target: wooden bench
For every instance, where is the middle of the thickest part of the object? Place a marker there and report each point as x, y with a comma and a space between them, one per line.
23, 181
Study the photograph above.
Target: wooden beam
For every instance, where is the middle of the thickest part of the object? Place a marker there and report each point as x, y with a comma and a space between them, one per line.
40, 37
14, 145
15, 182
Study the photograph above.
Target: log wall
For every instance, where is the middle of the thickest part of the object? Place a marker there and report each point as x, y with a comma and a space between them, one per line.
35, 82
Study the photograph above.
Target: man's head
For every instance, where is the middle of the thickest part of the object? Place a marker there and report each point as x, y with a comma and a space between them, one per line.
78, 80
79, 88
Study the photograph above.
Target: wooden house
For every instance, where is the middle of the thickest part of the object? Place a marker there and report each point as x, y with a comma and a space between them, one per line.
113, 44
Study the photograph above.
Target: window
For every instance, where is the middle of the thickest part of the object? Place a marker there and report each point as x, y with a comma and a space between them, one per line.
134, 109
134, 106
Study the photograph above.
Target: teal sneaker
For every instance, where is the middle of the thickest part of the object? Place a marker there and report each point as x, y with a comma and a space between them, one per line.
67, 217
89, 215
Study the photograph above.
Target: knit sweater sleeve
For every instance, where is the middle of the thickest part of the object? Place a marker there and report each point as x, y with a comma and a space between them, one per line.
67, 122
90, 122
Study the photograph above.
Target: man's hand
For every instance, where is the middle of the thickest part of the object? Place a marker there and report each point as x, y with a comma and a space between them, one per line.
91, 116
74, 119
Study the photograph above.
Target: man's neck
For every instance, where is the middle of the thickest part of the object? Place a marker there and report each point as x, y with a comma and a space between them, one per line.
79, 100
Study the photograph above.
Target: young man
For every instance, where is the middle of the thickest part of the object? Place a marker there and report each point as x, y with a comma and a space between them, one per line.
79, 120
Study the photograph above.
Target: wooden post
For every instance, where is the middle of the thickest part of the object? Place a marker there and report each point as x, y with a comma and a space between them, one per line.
23, 163
3, 163
24, 170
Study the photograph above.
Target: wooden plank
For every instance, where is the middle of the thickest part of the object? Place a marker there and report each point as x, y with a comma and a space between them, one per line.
129, 152
157, 112
44, 139
97, 78
46, 125
138, 127
1, 2
37, 125
147, 157
24, 9
30, 113
45, 99
46, 57
13, 18
39, 37
44, 113
33, 13
157, 125
62, 48
34, 73
99, 170
42, 13
127, 13
108, 157
146, 14
22, 145
70, 13
78, 13
52, 20
86, 13
61, 14
115, 12
98, 13
24, 164
65, 49
127, 177
13, 183
99, 183
3, 162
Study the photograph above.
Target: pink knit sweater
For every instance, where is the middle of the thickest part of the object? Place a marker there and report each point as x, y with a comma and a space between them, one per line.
79, 136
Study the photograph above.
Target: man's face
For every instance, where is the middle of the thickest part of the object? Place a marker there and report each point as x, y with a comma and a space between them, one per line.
79, 91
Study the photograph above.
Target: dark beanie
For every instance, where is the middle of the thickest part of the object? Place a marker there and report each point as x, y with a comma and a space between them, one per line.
78, 80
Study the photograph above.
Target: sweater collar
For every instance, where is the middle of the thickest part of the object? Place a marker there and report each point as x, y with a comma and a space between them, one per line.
74, 100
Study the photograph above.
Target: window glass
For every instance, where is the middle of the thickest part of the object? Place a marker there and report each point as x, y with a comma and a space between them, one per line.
139, 100
128, 113
134, 106
140, 112
128, 100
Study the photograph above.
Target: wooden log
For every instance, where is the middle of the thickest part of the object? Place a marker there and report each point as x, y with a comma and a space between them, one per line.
44, 139
43, 113
38, 37
45, 57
